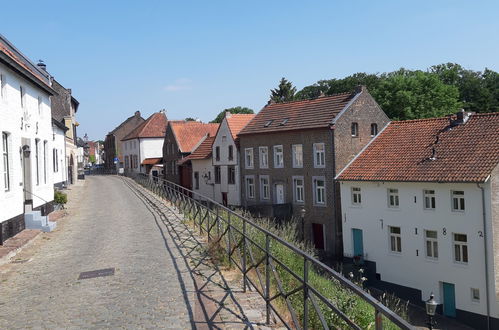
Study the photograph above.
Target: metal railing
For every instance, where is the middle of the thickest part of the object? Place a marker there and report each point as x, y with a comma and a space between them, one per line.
296, 298
100, 171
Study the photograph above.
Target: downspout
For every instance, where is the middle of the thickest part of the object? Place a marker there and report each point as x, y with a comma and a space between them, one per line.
485, 235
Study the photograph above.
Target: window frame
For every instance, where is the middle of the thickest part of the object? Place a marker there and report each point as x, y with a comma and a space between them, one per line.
217, 153
472, 292
261, 156
37, 165
316, 155
354, 129
395, 239
6, 161
276, 153
396, 198
354, 192
461, 207
297, 161
315, 180
231, 169
428, 196
247, 185
374, 129
295, 189
230, 152
45, 144
461, 246
22, 92
249, 152
263, 186
431, 243
218, 174
3, 83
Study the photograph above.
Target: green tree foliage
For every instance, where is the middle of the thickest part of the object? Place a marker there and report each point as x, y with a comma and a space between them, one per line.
285, 92
189, 119
221, 115
91, 159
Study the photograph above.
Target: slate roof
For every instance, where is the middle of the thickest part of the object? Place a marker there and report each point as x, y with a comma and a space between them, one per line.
305, 114
237, 122
188, 134
203, 151
430, 150
153, 127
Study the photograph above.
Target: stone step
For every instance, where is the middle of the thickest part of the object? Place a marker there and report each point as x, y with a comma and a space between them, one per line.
34, 220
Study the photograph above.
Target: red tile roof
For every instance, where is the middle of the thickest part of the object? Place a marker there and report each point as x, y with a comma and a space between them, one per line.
403, 151
152, 161
203, 151
153, 127
188, 134
314, 113
237, 122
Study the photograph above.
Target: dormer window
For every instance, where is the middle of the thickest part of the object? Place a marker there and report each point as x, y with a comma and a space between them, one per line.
282, 123
355, 130
267, 124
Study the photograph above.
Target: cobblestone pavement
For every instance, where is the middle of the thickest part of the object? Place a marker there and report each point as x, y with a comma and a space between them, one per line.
160, 281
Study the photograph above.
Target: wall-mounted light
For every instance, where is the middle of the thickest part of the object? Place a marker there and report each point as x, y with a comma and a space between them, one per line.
26, 151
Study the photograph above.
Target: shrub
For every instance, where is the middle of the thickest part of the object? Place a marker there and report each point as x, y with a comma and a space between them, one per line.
60, 197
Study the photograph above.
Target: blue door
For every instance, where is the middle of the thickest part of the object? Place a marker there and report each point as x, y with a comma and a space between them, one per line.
358, 245
449, 299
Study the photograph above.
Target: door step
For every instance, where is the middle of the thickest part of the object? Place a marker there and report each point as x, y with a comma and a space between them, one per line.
35, 220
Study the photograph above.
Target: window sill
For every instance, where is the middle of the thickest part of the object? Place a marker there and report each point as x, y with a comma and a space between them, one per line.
320, 205
395, 254
355, 206
394, 209
319, 166
461, 264
432, 260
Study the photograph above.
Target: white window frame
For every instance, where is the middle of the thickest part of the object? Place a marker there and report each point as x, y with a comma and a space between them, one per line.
278, 155
319, 161
40, 105
250, 187
297, 151
45, 145
315, 180
356, 196
249, 161
264, 187
298, 190
429, 199
395, 240
458, 196
6, 161
431, 244
475, 295
263, 156
22, 92
393, 203
461, 246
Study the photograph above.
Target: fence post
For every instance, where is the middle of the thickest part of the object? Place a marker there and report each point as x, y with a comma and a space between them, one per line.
378, 319
228, 233
267, 278
244, 254
305, 293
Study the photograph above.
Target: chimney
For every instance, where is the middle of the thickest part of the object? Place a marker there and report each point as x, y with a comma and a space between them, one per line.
462, 116
42, 65
227, 114
322, 94
137, 113
360, 89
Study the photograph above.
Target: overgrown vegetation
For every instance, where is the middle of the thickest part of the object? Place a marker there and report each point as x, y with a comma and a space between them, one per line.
60, 197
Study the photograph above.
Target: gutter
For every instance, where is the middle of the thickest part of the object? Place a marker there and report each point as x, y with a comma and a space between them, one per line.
485, 239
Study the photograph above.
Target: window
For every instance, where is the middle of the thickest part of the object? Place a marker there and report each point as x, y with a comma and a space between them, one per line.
218, 174
319, 191
217, 153
283, 122
45, 162
374, 129
6, 168
22, 93
2, 85
264, 187
39, 105
196, 180
264, 157
248, 156
298, 190
36, 162
297, 155
431, 243
127, 161
355, 130
319, 155
268, 123
231, 152
231, 175
393, 198
278, 157
173, 167
457, 201
55, 159
250, 187
475, 295
395, 239
461, 248
356, 196
429, 199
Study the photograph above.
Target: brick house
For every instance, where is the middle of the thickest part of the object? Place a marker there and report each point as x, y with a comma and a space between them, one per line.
181, 139
424, 197
113, 146
291, 153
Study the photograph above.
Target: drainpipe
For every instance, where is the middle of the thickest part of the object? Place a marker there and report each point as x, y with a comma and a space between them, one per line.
485, 238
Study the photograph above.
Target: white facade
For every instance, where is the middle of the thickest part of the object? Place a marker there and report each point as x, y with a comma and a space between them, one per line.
232, 188
203, 181
424, 263
58, 156
25, 118
136, 150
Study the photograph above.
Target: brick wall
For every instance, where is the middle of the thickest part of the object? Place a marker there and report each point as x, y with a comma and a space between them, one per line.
114, 146
169, 157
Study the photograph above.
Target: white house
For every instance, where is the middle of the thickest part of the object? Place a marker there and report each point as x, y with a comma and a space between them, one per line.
420, 208
59, 166
227, 183
26, 140
143, 147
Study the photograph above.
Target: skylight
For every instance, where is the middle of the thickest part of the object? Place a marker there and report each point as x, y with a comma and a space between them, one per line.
285, 120
267, 124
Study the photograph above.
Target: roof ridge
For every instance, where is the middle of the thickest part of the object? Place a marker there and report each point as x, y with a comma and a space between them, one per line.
314, 98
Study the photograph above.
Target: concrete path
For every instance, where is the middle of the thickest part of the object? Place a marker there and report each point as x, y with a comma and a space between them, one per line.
162, 278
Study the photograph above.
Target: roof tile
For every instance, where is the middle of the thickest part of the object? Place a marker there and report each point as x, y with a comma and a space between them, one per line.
189, 133
153, 127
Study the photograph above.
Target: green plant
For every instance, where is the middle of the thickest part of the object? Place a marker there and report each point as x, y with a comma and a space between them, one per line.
60, 197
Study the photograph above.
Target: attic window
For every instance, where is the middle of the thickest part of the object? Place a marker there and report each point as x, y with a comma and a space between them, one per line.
284, 122
267, 124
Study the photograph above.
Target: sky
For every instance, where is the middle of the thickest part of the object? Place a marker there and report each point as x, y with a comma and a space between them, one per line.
196, 58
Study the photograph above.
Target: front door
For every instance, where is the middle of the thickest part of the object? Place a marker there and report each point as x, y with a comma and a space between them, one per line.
358, 245
224, 199
318, 232
449, 299
279, 190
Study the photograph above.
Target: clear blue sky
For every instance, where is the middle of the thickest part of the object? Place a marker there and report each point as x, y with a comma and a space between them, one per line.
196, 58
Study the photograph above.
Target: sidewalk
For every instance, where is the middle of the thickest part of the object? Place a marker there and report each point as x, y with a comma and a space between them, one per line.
15, 244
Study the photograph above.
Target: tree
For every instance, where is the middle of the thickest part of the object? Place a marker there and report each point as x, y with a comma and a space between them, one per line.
189, 119
238, 109
285, 92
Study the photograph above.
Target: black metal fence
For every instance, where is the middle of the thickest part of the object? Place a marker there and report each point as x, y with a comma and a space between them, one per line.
298, 289
100, 171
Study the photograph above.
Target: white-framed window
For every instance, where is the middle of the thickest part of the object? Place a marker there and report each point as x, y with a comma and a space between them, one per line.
299, 189
393, 198
3, 82
264, 157
45, 162
22, 93
248, 157
458, 200
475, 295
264, 187
395, 239
218, 174
319, 190
460, 248
319, 155
278, 156
431, 241
55, 159
6, 165
231, 175
356, 196
297, 155
429, 199
37, 163
250, 186
355, 129
374, 129
39, 105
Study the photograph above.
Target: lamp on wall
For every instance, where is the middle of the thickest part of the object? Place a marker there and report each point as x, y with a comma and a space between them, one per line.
431, 308
302, 214
206, 178
26, 151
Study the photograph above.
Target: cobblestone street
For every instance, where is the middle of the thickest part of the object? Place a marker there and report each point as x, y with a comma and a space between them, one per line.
111, 225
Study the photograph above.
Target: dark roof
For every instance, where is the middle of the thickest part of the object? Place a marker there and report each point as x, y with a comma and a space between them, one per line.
153, 127
430, 150
203, 151
189, 134
60, 103
59, 124
137, 114
313, 113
